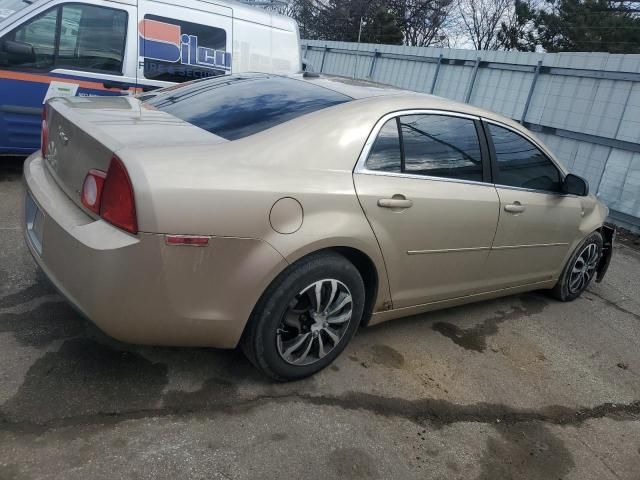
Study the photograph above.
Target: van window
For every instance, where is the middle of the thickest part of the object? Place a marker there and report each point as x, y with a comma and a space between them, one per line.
92, 38
38, 33
237, 106
178, 51
74, 36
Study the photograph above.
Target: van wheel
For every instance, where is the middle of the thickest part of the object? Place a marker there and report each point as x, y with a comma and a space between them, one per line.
306, 317
579, 270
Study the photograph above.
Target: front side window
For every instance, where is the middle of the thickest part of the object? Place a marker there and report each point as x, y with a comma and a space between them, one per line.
73, 36
432, 145
32, 45
236, 106
521, 164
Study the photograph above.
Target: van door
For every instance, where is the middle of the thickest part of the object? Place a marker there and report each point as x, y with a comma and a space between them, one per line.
182, 43
62, 49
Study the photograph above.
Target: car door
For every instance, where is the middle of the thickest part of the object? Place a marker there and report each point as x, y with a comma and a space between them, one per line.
421, 183
537, 222
66, 49
182, 42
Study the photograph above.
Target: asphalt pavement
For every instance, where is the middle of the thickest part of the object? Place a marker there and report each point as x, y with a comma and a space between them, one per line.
519, 387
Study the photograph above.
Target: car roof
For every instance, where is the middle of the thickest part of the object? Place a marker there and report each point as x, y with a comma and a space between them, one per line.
379, 93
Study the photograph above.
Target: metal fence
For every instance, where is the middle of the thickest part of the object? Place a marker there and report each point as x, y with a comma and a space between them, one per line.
584, 106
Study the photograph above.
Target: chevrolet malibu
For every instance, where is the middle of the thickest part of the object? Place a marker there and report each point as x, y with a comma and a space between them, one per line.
283, 213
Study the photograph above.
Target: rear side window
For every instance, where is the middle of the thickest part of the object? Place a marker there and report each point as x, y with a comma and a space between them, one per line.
441, 146
430, 145
237, 106
385, 153
178, 51
521, 163
73, 36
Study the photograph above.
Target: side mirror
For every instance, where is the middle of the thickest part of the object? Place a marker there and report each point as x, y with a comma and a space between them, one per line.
19, 52
575, 185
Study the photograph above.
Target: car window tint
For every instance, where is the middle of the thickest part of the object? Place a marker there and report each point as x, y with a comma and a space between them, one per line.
441, 146
92, 38
89, 38
521, 163
32, 45
385, 153
237, 106
164, 61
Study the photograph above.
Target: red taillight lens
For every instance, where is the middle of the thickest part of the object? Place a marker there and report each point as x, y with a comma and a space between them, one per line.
117, 205
44, 134
92, 190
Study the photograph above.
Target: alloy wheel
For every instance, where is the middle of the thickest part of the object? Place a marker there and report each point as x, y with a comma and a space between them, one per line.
583, 268
315, 321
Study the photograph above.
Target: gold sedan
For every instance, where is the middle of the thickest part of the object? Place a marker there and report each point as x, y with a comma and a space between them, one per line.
283, 213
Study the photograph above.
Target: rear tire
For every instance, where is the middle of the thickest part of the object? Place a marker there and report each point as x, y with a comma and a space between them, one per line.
579, 270
290, 334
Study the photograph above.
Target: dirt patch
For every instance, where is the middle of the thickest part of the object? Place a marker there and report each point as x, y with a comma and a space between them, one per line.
526, 451
386, 356
85, 378
475, 338
43, 325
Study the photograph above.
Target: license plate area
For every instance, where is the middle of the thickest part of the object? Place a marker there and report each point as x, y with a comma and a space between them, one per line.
34, 218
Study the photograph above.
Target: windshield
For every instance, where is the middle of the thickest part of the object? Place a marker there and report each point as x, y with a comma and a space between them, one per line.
9, 7
237, 106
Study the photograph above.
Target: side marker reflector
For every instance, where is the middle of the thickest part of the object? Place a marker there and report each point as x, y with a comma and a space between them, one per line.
192, 240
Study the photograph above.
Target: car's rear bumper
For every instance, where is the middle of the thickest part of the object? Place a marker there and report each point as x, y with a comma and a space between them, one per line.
138, 289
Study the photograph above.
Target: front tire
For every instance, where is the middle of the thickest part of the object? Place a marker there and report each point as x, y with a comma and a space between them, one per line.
580, 269
306, 317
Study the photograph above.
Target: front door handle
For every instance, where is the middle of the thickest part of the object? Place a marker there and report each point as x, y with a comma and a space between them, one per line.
397, 201
515, 207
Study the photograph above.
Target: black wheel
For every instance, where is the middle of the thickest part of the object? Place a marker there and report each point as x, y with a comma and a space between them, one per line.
580, 269
306, 317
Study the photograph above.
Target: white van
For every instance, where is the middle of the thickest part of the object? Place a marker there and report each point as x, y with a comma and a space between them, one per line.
117, 47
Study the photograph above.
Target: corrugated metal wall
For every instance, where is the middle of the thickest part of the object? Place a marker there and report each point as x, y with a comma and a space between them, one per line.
584, 106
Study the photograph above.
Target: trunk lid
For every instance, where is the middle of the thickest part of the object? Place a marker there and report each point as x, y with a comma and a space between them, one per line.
84, 133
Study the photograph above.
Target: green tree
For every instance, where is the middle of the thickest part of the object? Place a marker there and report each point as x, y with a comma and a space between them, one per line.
574, 26
517, 31
588, 26
340, 20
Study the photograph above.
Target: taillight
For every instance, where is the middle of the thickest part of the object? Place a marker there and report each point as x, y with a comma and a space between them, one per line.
92, 190
44, 134
117, 204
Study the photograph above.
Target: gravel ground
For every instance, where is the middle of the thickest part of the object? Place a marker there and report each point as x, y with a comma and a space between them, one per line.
520, 387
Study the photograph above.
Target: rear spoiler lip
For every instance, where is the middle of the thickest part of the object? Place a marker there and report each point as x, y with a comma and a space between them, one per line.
608, 233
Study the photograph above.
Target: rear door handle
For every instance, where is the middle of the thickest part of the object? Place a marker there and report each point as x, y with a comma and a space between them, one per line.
397, 201
515, 207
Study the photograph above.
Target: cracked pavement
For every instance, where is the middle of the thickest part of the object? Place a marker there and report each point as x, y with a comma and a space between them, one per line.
519, 387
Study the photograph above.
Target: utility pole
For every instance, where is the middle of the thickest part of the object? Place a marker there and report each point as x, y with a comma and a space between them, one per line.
355, 68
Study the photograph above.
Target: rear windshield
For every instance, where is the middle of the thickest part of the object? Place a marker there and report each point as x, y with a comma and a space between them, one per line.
237, 106
9, 7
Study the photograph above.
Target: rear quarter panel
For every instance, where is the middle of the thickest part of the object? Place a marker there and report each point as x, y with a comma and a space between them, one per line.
229, 189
